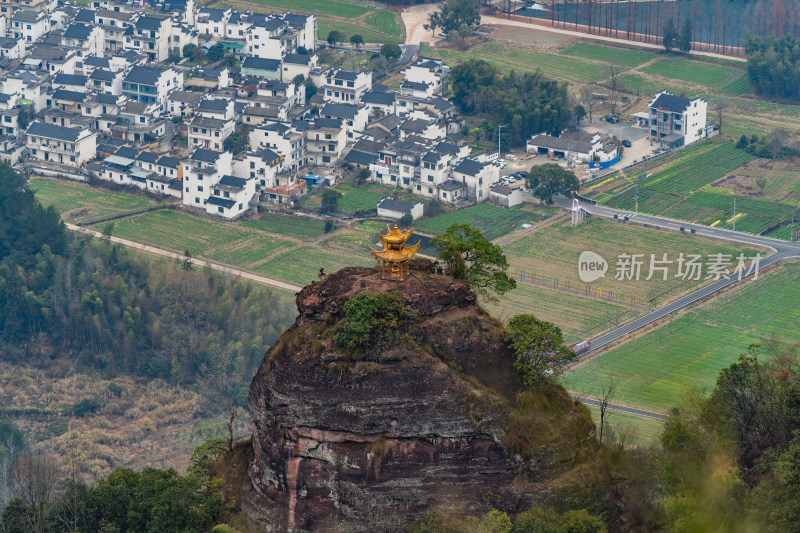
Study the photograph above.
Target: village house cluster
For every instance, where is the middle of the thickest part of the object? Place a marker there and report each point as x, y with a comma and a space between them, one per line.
105, 92
110, 92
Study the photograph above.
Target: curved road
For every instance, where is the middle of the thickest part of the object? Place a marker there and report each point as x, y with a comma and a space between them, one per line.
622, 408
782, 251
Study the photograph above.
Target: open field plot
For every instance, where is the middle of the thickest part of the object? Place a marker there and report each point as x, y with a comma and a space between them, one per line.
697, 169
318, 7
553, 252
637, 430
301, 265
638, 84
246, 254
358, 198
651, 371
290, 226
385, 22
738, 86
370, 33
697, 72
492, 221
79, 202
609, 54
578, 317
553, 65
650, 201
782, 180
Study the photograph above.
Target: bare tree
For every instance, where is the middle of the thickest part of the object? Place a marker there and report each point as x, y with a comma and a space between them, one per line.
35, 476
614, 72
588, 99
761, 183
606, 395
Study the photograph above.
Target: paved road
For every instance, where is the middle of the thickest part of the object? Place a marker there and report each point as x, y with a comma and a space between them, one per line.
622, 408
781, 251
199, 262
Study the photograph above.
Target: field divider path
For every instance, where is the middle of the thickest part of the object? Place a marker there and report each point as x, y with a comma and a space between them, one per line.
194, 260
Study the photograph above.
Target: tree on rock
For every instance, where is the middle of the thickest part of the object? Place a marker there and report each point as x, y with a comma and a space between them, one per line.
470, 257
550, 179
454, 15
538, 345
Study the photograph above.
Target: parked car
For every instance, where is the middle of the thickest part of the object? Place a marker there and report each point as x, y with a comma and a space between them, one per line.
626, 143
612, 118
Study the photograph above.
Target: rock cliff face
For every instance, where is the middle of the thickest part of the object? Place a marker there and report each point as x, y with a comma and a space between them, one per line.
341, 442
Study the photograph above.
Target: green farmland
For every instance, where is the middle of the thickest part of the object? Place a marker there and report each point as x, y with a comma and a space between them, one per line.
652, 370
492, 221
79, 202
297, 227
368, 30
697, 72
618, 56
319, 7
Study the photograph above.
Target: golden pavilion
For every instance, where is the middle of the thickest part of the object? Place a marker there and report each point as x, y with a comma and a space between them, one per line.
395, 254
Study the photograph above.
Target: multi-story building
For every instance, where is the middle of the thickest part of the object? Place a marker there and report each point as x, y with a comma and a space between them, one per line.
70, 146
114, 24
283, 139
676, 121
205, 132
151, 85
477, 177
426, 72
28, 25
84, 39
326, 138
150, 35
265, 166
201, 171
346, 87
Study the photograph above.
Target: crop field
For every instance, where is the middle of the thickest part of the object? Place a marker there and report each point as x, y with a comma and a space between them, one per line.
79, 202
650, 201
553, 252
697, 169
609, 54
179, 231
578, 317
553, 65
289, 226
738, 86
248, 253
492, 221
697, 72
386, 22
755, 215
301, 265
354, 199
652, 370
318, 7
369, 32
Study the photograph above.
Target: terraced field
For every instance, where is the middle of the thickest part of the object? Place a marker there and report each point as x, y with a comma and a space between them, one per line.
690, 351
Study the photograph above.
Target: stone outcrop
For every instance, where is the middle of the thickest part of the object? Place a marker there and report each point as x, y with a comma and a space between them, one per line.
343, 441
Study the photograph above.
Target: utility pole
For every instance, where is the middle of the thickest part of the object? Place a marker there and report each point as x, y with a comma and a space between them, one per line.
734, 213
791, 228
500, 127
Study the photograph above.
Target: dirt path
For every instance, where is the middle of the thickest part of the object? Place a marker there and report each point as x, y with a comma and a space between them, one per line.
414, 19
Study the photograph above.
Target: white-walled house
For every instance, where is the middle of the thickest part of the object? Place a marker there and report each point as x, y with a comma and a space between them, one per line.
70, 146
345, 86
201, 170
151, 85
205, 132
676, 121
430, 72
391, 208
283, 139
477, 177
11, 48
505, 196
